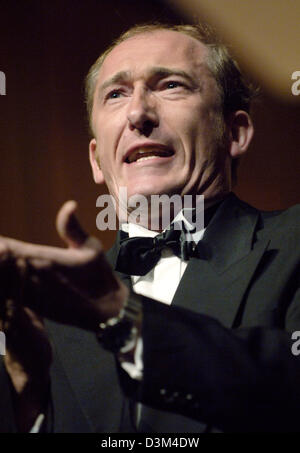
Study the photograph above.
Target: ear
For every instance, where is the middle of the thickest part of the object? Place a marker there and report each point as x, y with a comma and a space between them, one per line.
241, 133
95, 163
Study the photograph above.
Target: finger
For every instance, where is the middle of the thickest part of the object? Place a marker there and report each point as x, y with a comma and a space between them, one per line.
4, 251
44, 256
68, 226
36, 320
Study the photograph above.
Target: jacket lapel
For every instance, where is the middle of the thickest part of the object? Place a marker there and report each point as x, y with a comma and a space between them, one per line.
216, 283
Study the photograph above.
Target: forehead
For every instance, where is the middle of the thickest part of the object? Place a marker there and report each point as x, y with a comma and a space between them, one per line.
156, 48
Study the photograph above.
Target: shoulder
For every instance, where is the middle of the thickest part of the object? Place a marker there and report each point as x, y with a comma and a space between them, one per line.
283, 217
281, 224
284, 220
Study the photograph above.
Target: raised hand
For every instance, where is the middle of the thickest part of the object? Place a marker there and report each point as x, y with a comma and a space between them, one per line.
75, 285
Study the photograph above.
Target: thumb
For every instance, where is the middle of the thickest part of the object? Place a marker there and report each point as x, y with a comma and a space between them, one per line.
68, 226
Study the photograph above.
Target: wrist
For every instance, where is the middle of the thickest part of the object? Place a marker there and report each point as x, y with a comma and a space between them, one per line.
118, 331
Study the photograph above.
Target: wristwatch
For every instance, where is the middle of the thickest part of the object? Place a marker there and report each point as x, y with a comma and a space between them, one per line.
117, 332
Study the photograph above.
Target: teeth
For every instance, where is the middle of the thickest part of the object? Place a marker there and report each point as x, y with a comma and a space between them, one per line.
151, 152
145, 158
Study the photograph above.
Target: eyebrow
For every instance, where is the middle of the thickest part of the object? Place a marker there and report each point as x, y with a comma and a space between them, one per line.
156, 72
120, 76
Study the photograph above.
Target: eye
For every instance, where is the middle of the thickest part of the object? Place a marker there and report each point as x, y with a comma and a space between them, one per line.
173, 84
114, 94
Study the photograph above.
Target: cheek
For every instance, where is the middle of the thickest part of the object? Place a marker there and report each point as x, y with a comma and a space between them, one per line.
207, 129
182, 126
109, 132
194, 134
105, 150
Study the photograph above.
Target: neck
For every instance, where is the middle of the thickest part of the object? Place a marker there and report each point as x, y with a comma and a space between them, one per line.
158, 217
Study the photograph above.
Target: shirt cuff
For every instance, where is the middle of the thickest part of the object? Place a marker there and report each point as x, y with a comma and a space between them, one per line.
37, 424
134, 367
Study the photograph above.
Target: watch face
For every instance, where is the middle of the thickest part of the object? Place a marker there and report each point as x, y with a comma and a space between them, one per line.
122, 332
115, 337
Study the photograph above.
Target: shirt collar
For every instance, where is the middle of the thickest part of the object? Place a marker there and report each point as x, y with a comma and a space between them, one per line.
135, 230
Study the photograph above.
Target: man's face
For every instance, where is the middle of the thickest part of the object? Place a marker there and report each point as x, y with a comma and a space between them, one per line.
157, 118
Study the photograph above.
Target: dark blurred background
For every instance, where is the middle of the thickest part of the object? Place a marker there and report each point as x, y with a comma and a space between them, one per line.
46, 49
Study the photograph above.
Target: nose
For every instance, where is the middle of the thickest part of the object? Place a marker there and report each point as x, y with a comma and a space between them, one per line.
142, 113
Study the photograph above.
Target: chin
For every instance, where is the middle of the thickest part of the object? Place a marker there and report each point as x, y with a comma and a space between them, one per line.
153, 189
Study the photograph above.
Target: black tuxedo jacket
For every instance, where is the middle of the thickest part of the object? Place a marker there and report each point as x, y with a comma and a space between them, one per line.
219, 358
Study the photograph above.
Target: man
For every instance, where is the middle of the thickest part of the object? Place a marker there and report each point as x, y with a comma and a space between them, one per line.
169, 115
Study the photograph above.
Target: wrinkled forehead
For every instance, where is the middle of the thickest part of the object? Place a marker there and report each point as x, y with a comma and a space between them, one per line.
167, 48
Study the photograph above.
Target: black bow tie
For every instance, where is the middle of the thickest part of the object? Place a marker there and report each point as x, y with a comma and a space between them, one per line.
138, 255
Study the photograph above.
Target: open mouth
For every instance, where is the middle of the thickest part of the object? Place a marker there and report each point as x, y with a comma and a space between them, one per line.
147, 153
